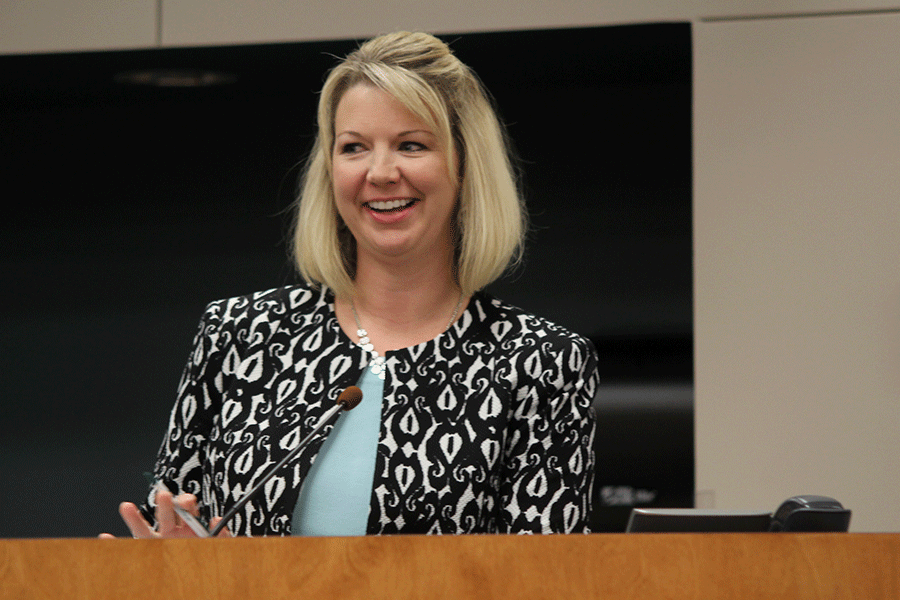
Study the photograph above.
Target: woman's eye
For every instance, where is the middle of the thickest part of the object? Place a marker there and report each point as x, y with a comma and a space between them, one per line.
412, 146
350, 148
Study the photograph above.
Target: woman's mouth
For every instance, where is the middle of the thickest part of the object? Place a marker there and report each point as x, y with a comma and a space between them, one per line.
383, 206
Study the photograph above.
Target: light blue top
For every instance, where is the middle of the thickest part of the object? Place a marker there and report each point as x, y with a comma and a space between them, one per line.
336, 493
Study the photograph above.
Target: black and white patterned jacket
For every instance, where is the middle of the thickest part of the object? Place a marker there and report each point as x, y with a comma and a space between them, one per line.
486, 428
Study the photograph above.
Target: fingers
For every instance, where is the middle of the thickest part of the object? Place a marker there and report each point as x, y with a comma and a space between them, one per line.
224, 532
135, 521
189, 503
166, 519
168, 523
106, 536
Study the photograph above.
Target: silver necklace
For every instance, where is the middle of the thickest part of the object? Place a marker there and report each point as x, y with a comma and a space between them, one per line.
376, 363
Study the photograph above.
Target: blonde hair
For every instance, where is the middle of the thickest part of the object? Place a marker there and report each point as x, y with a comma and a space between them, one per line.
423, 74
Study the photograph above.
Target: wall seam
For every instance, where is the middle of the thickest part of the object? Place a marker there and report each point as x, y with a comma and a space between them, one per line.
159, 22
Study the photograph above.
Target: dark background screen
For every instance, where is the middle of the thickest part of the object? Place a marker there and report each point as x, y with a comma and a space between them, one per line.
131, 207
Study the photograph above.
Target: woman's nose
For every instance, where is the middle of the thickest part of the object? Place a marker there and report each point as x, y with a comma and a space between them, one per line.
383, 169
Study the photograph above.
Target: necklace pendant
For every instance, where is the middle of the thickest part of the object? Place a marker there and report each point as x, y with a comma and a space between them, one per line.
377, 366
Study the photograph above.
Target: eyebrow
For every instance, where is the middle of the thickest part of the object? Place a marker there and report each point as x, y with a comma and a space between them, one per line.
401, 134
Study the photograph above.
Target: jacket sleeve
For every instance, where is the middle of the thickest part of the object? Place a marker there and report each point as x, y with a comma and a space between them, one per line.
550, 443
183, 452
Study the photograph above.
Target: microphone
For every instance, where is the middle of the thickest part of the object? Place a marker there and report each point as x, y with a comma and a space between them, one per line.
348, 400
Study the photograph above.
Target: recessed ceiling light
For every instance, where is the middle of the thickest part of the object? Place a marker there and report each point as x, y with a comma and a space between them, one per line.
175, 78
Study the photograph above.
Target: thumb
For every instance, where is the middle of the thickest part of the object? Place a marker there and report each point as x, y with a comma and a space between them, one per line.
224, 533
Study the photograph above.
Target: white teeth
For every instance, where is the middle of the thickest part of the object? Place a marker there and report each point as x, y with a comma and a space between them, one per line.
390, 204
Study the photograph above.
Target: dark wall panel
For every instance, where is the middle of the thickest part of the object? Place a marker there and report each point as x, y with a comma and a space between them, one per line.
132, 207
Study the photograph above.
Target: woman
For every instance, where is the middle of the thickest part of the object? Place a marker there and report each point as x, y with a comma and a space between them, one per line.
476, 416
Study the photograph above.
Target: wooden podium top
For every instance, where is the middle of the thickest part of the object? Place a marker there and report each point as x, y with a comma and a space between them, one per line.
676, 566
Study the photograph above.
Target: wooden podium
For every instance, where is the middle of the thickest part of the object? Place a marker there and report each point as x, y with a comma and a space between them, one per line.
676, 566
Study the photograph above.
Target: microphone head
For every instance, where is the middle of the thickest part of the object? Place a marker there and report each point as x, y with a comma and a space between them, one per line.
350, 397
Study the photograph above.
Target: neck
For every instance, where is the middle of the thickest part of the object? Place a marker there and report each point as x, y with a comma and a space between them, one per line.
400, 307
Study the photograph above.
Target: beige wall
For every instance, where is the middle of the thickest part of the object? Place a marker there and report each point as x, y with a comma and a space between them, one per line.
30, 26
71, 25
797, 263
226, 21
64, 25
796, 218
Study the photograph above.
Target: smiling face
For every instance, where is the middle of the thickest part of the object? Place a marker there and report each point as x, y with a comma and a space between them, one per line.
392, 184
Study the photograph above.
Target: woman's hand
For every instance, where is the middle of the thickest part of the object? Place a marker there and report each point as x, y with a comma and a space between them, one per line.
170, 525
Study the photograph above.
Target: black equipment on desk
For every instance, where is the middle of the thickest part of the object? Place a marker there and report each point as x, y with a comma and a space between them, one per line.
801, 513
811, 513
